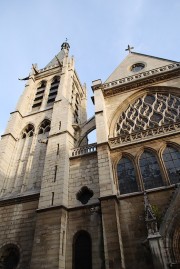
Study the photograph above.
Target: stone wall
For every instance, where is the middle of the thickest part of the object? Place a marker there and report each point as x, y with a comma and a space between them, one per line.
17, 226
83, 172
46, 244
85, 220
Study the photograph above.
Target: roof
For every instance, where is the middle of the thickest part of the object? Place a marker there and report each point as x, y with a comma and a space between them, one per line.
124, 69
54, 61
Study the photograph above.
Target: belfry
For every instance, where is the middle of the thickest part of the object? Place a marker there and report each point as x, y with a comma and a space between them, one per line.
114, 204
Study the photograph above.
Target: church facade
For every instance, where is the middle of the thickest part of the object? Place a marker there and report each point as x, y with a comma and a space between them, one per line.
113, 204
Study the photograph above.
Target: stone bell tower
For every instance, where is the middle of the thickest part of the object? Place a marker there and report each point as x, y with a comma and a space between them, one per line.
52, 105
34, 164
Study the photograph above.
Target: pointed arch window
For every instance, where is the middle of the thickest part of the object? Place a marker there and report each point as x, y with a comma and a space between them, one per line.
150, 171
126, 176
28, 131
53, 90
82, 251
171, 157
45, 127
39, 95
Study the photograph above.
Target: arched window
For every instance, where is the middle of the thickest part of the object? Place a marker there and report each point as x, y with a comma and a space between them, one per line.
82, 251
28, 131
39, 95
150, 171
171, 157
45, 127
126, 176
53, 90
9, 257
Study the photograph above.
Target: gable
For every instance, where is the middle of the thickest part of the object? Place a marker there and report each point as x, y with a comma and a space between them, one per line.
149, 62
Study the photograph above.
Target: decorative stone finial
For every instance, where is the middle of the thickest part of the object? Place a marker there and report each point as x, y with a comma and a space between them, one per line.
65, 45
150, 218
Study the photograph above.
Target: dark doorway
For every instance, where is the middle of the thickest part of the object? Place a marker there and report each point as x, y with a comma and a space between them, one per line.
9, 257
82, 258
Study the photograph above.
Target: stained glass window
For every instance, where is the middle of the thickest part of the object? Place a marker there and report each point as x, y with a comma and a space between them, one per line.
126, 176
171, 157
150, 171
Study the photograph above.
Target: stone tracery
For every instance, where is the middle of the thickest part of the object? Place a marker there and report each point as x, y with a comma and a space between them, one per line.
150, 111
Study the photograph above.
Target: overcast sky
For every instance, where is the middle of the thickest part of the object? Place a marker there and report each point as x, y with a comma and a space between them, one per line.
98, 32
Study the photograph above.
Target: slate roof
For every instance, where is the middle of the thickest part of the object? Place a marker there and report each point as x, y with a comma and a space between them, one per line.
60, 56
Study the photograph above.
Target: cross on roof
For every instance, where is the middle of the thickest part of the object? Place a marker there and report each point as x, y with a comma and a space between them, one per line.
129, 48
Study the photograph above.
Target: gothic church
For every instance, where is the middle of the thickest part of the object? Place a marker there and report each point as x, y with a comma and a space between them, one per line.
114, 204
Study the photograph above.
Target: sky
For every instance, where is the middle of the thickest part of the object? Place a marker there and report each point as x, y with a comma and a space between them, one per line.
98, 32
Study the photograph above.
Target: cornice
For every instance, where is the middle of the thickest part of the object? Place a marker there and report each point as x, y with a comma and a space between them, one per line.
10, 135
146, 135
140, 80
51, 70
6, 201
17, 111
60, 133
58, 207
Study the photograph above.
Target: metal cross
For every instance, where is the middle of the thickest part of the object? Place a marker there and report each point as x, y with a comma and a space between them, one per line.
129, 48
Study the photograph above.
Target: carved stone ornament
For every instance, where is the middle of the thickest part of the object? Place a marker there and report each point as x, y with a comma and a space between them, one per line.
84, 195
150, 219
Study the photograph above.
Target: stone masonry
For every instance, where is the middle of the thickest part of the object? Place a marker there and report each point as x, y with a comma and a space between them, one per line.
112, 204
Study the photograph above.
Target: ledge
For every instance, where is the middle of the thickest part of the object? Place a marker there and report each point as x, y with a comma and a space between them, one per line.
145, 135
6, 201
66, 208
10, 135
141, 193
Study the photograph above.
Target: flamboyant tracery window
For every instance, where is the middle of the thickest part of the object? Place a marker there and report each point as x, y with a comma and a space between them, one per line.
171, 158
150, 170
147, 112
126, 176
